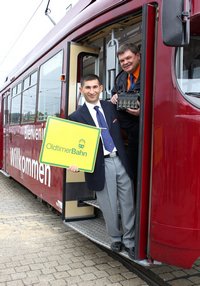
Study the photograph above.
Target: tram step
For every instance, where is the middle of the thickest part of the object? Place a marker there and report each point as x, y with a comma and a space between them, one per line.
95, 204
95, 230
5, 173
92, 203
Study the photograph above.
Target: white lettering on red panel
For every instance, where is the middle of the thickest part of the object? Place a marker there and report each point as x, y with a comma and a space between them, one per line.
32, 133
34, 169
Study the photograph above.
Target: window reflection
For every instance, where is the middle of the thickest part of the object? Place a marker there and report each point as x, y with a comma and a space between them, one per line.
29, 104
188, 68
16, 104
29, 98
50, 87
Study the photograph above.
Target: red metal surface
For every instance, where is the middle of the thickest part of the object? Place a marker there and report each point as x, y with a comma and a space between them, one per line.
195, 6
1, 133
23, 160
175, 216
149, 35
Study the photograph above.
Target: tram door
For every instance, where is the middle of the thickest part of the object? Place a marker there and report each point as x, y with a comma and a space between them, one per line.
144, 167
75, 188
6, 100
81, 60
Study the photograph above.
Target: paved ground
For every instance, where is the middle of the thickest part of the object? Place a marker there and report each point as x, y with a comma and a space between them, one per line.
36, 248
177, 276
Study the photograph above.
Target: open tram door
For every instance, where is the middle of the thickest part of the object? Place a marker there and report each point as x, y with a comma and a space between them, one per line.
142, 238
75, 189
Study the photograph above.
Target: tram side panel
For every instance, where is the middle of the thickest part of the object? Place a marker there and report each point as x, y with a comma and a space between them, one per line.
24, 166
1, 133
175, 203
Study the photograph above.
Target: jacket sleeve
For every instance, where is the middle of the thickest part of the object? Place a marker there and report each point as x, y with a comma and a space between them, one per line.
120, 83
72, 117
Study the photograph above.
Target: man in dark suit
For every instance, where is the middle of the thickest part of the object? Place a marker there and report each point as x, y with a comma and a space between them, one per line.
110, 179
129, 80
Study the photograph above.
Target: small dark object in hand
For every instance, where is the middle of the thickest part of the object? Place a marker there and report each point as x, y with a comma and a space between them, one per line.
128, 100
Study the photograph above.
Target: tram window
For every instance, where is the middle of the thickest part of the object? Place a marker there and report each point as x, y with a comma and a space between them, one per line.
33, 78
50, 87
9, 106
89, 64
19, 88
26, 82
128, 30
187, 67
29, 99
6, 106
16, 104
14, 91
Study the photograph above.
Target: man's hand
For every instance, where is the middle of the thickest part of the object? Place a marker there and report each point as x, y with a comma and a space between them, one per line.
114, 98
134, 112
73, 169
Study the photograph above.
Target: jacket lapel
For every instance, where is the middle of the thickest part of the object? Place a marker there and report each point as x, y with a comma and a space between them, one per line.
86, 116
106, 109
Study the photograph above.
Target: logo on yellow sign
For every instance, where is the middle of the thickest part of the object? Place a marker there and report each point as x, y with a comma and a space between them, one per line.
73, 151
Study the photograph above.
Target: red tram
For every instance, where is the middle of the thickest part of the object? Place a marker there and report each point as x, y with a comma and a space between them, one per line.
46, 82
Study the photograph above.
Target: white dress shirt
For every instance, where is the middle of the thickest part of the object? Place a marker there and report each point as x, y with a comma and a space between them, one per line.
92, 111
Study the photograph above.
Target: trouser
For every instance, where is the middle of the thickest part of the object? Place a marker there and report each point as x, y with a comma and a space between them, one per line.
133, 139
117, 194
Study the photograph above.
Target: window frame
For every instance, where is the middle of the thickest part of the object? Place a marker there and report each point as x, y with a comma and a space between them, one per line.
28, 88
61, 51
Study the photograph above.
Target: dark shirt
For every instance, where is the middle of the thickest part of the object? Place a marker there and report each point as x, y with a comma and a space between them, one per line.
126, 120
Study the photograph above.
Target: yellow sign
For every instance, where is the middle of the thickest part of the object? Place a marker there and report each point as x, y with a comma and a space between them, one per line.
68, 143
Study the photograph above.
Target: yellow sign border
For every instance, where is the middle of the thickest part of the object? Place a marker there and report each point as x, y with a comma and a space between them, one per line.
93, 151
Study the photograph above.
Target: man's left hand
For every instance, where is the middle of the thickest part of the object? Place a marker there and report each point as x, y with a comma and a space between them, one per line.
134, 112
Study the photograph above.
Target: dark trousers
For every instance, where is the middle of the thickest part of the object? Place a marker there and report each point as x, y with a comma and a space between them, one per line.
132, 151
130, 125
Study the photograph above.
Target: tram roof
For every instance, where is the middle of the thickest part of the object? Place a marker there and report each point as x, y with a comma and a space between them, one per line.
74, 18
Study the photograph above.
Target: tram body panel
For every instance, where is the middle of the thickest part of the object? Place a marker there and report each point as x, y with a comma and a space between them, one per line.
1, 133
23, 156
5, 107
175, 201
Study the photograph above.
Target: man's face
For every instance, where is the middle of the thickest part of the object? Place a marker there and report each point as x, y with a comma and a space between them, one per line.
91, 90
129, 61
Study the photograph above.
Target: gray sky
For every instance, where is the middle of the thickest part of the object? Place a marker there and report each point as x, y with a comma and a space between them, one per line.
23, 24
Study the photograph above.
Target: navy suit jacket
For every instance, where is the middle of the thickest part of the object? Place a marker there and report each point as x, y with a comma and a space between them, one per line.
96, 180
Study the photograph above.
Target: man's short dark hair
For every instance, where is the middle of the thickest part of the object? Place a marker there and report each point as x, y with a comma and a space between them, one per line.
128, 46
89, 77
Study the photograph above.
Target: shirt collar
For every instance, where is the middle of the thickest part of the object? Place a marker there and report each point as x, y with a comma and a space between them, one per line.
136, 73
91, 106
